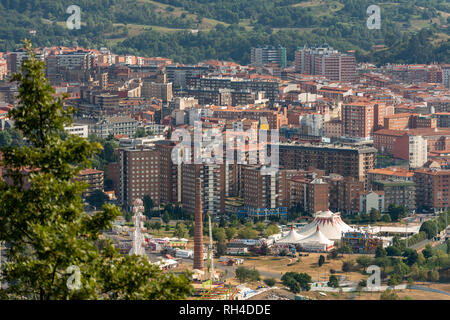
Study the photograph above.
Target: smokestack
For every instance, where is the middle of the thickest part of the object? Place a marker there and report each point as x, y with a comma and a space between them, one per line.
198, 230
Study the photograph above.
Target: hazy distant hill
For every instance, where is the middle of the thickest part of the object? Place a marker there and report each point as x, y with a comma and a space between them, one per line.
412, 30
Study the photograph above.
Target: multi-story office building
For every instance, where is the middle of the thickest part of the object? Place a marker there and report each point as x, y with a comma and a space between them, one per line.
432, 189
139, 174
268, 54
327, 62
348, 161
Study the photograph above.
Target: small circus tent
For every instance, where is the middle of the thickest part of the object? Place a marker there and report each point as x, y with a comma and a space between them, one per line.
317, 242
291, 238
330, 224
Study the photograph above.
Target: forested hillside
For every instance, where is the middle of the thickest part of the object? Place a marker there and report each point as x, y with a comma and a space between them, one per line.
414, 31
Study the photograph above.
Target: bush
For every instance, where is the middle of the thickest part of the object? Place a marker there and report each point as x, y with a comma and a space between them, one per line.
296, 281
333, 282
364, 261
243, 274
389, 295
393, 251
270, 282
347, 266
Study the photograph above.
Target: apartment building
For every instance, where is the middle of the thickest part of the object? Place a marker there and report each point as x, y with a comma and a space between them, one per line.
114, 126
344, 193
262, 55
169, 172
432, 189
94, 178
348, 161
397, 192
327, 62
139, 174
212, 183
361, 119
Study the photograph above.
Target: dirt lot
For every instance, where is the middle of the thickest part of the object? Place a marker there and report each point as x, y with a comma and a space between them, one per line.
305, 265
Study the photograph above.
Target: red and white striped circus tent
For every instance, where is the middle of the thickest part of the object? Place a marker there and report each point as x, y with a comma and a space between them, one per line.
317, 242
329, 223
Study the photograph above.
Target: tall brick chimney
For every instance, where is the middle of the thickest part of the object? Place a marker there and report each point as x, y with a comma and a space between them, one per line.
198, 230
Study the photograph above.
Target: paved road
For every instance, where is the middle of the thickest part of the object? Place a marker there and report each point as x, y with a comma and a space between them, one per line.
416, 287
420, 244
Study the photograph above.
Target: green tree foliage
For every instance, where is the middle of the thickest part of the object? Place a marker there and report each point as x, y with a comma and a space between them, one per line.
375, 215
148, 205
180, 230
140, 133
347, 266
247, 233
156, 226
270, 282
411, 256
5, 139
397, 212
271, 230
221, 248
364, 261
219, 234
395, 279
380, 252
393, 251
166, 217
97, 199
44, 224
321, 260
333, 282
296, 282
244, 274
389, 295
428, 251
230, 233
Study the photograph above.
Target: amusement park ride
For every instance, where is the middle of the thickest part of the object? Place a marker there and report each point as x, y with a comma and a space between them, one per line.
138, 236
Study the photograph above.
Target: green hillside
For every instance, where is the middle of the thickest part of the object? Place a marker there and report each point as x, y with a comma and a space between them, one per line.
414, 31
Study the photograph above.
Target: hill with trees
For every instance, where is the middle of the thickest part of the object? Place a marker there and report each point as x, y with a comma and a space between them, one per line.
187, 31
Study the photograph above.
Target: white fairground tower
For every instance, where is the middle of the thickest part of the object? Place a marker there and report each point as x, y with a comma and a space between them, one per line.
138, 237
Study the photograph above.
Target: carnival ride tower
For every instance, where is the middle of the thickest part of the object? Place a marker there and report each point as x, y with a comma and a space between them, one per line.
137, 236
